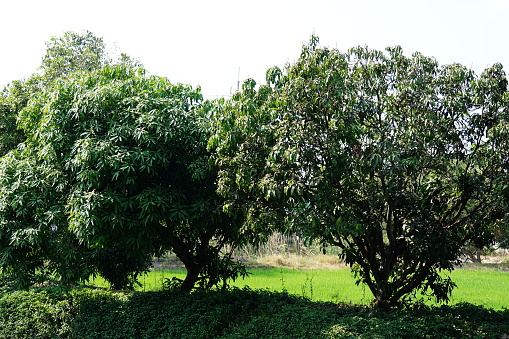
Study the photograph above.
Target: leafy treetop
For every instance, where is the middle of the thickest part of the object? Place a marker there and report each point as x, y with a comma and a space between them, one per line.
396, 160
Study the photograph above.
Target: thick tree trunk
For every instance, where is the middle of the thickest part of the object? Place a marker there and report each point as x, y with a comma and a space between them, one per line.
193, 257
384, 303
475, 256
193, 265
193, 272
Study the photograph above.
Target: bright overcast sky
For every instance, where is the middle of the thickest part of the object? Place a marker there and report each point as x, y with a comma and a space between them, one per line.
212, 43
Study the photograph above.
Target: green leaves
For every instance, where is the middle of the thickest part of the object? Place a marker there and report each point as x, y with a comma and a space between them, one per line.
128, 168
385, 156
396, 160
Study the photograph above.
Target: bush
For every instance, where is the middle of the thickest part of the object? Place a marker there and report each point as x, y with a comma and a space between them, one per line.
85, 313
35, 315
120, 269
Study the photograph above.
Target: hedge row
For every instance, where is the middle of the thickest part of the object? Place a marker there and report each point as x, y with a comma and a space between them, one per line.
86, 313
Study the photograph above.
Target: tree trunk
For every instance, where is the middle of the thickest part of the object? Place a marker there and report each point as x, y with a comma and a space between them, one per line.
193, 260
384, 304
189, 282
475, 256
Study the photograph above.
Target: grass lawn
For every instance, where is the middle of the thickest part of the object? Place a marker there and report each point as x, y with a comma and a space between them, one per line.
325, 285
476, 285
481, 286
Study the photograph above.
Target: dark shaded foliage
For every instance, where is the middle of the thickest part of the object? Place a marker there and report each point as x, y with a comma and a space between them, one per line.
53, 313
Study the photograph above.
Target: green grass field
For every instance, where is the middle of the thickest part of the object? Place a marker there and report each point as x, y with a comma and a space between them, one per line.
479, 286
483, 287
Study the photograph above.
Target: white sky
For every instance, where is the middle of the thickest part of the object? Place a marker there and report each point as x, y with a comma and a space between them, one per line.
207, 42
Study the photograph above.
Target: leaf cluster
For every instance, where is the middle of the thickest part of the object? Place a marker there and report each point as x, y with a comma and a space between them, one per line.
396, 160
228, 314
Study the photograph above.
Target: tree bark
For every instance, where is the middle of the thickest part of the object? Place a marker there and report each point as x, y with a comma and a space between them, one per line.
191, 278
194, 262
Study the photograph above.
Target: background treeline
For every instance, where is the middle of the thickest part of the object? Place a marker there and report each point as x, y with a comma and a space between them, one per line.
395, 161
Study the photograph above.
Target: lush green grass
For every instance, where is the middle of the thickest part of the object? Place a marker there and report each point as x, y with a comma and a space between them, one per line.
320, 285
481, 286
478, 286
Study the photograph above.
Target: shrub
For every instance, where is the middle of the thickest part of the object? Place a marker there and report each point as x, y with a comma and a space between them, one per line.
29, 314
85, 313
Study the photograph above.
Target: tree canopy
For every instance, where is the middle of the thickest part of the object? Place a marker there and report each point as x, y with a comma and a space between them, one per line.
75, 51
72, 52
117, 161
396, 160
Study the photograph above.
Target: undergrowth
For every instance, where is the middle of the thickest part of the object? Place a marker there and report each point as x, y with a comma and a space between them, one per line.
237, 313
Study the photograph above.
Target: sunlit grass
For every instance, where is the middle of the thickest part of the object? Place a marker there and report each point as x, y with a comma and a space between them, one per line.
479, 286
152, 281
325, 285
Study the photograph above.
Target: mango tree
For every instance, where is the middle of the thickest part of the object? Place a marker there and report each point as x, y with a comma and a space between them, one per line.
397, 161
124, 157
64, 55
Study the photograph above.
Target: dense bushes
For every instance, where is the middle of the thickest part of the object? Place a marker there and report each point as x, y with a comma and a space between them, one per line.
81, 313
33, 314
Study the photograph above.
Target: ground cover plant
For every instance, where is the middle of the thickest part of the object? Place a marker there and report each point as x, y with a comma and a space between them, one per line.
85, 313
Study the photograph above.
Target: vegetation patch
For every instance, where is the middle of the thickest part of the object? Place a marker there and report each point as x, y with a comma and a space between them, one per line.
237, 313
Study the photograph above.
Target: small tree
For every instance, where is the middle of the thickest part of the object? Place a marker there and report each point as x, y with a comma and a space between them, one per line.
62, 252
73, 52
126, 156
397, 161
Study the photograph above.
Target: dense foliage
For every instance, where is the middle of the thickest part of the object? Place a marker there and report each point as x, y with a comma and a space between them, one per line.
111, 169
228, 314
79, 52
57, 250
395, 160
115, 167
72, 52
